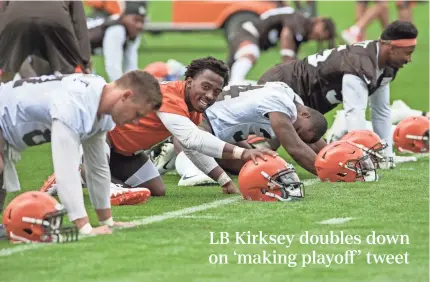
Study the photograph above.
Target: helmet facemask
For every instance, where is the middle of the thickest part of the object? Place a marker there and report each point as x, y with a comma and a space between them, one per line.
364, 167
52, 228
287, 182
379, 160
417, 139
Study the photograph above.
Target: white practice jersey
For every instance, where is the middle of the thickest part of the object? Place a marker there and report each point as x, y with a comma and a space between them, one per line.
243, 112
28, 107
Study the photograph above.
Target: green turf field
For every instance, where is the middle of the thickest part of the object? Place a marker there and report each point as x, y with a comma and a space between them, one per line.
173, 241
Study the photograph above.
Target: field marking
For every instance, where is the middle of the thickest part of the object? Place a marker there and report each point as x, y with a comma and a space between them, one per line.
339, 220
151, 219
148, 220
186, 211
183, 216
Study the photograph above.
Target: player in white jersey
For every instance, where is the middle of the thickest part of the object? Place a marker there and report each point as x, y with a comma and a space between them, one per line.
271, 111
70, 111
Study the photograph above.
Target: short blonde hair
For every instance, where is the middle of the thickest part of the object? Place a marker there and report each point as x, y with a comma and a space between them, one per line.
143, 85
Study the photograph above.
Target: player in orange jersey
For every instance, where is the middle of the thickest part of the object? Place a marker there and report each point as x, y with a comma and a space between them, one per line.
184, 103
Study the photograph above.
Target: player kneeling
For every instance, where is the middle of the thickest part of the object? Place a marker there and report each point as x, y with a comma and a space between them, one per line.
345, 161
270, 181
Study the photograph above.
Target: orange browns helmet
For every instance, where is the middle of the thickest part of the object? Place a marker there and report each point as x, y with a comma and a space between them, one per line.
270, 181
370, 141
37, 217
158, 70
345, 161
412, 134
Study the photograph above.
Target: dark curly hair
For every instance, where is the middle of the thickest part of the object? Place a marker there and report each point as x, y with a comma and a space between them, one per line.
197, 66
399, 30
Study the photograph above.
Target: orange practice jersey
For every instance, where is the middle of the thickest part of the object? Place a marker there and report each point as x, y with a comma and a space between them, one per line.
131, 138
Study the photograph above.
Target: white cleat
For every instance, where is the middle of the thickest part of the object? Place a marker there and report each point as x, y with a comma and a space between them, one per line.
120, 196
400, 111
350, 37
165, 161
118, 188
404, 159
196, 179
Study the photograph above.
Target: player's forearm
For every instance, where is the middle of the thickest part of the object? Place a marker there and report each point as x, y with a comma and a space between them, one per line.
131, 55
318, 146
191, 137
304, 156
288, 45
97, 172
208, 166
232, 152
381, 116
65, 155
355, 97
113, 42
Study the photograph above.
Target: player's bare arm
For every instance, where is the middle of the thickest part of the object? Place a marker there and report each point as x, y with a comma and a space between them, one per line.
290, 140
318, 146
288, 46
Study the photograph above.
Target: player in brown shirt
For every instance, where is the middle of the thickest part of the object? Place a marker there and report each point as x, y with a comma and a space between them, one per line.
53, 30
353, 75
284, 24
118, 37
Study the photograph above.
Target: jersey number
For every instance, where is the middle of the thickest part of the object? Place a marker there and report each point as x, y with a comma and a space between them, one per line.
238, 136
314, 59
235, 91
37, 137
36, 80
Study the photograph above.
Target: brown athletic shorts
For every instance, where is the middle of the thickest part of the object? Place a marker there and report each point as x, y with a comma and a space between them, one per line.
50, 40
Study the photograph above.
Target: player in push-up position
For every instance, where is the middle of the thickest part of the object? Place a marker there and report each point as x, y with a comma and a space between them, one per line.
68, 111
353, 75
272, 111
284, 25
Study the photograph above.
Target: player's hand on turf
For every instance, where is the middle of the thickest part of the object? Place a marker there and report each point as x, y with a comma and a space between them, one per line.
121, 224
101, 230
255, 154
230, 188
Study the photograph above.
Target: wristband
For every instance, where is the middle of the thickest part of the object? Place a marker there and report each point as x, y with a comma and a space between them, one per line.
238, 152
223, 179
108, 222
86, 229
288, 53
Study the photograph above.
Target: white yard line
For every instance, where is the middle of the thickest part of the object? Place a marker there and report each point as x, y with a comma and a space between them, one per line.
148, 220
186, 211
202, 217
339, 220
183, 216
